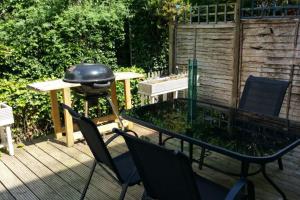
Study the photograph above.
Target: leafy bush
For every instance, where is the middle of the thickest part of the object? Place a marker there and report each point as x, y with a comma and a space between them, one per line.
31, 109
49, 36
149, 34
40, 39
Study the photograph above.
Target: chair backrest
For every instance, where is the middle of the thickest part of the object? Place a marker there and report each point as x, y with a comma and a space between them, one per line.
263, 95
166, 174
94, 140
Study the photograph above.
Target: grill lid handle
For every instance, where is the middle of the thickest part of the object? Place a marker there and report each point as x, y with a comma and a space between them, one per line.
101, 85
94, 60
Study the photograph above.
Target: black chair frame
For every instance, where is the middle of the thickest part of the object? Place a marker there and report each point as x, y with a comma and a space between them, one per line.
149, 156
103, 159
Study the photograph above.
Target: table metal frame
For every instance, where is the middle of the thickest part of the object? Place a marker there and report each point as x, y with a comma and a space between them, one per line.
244, 159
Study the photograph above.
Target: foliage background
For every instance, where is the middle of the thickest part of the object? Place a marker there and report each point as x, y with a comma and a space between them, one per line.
40, 39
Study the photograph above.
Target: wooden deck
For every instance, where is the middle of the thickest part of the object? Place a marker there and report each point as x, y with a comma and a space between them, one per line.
45, 169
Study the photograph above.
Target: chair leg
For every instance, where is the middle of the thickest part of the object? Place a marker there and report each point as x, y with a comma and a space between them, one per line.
123, 192
250, 191
145, 196
181, 145
201, 160
89, 180
280, 165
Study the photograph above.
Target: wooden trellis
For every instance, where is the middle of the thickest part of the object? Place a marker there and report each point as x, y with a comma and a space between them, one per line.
213, 13
229, 51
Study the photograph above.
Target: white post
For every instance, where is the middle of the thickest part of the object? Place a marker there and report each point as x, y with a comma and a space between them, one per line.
2, 136
142, 99
175, 95
152, 100
9, 141
165, 97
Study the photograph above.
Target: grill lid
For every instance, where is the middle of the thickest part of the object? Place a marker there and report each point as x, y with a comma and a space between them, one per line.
89, 73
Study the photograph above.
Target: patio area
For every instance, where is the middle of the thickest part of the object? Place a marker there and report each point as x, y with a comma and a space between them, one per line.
222, 76
46, 169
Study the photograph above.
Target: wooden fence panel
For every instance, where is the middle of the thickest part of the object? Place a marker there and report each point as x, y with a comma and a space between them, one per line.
213, 49
270, 49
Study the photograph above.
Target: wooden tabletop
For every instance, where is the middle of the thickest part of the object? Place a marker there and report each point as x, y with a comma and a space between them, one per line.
58, 84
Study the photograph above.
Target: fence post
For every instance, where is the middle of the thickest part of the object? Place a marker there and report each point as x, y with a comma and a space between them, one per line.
236, 56
171, 46
292, 73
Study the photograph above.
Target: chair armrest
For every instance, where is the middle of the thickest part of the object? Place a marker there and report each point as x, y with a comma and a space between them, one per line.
117, 134
131, 131
109, 140
236, 189
70, 110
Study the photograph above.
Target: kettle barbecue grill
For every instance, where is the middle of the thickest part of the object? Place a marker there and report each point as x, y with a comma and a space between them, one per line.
95, 80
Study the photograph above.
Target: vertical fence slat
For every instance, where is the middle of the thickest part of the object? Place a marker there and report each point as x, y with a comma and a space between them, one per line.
191, 15
252, 7
236, 57
198, 7
216, 13
292, 73
225, 12
207, 11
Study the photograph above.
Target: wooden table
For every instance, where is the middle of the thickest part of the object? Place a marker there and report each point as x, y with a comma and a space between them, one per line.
55, 86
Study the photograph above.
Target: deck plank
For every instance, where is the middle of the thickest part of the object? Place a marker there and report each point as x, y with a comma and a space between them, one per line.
86, 160
82, 170
33, 182
49, 177
62, 171
69, 176
14, 184
4, 193
135, 191
114, 149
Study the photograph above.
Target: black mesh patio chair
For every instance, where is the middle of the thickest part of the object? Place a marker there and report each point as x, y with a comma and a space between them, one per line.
263, 96
120, 168
168, 175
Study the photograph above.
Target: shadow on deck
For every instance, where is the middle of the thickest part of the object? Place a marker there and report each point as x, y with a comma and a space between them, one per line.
46, 169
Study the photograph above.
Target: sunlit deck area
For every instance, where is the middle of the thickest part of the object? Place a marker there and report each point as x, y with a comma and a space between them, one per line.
46, 169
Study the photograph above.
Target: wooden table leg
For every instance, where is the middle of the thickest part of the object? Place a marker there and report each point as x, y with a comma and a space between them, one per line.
55, 114
68, 118
114, 96
127, 94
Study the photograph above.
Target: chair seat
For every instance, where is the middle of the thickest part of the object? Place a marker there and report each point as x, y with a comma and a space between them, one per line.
209, 190
126, 166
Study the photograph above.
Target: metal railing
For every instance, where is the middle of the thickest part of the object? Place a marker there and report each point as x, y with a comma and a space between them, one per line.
251, 9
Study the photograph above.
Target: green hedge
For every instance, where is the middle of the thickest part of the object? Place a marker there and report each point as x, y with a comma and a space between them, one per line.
46, 38
39, 40
31, 110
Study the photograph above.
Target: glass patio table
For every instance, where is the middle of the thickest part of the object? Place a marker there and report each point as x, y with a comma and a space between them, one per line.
244, 136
